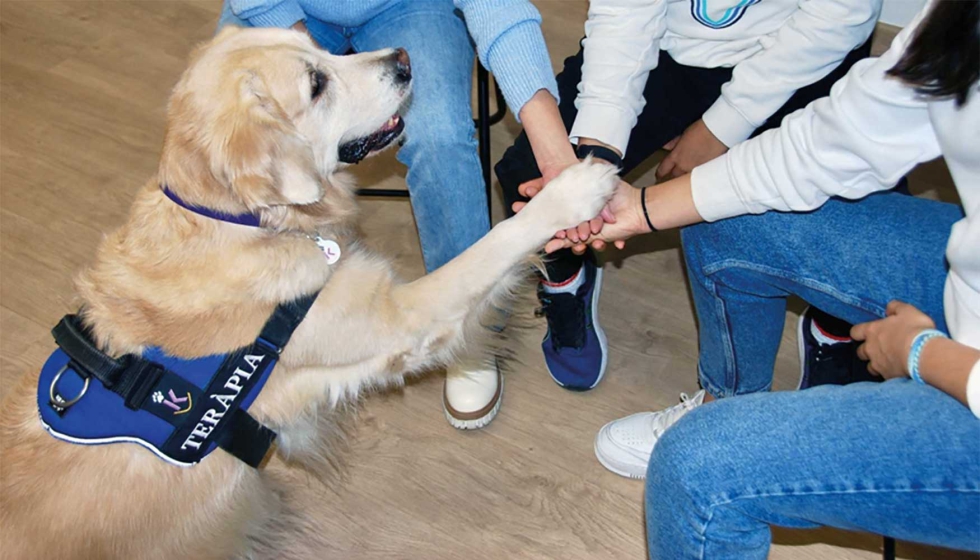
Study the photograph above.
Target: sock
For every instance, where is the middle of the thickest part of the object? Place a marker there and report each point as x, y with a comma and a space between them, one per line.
829, 324
824, 337
569, 286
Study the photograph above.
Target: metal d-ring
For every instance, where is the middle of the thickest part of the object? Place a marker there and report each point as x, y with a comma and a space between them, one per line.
57, 401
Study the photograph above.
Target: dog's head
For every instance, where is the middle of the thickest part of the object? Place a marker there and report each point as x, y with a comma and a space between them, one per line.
262, 118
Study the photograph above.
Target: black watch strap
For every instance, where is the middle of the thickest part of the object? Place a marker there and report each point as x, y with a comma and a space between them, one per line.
600, 152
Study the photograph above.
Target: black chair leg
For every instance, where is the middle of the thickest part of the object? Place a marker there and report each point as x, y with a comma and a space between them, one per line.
889, 549
483, 127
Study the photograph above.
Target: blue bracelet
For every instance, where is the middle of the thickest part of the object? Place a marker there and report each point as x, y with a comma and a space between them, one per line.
916, 352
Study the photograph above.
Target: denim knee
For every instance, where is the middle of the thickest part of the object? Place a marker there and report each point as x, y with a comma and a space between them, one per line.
710, 243
437, 137
676, 501
682, 458
690, 456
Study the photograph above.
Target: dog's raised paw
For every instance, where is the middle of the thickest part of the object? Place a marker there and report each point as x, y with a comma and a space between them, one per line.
578, 193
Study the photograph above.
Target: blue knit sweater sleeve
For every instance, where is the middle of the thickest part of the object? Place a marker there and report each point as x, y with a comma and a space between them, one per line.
268, 13
509, 43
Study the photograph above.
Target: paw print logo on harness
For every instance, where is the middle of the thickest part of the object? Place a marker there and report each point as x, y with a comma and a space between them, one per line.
173, 402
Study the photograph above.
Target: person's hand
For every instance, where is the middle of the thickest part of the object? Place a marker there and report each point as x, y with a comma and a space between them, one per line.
621, 219
696, 146
552, 169
583, 230
887, 342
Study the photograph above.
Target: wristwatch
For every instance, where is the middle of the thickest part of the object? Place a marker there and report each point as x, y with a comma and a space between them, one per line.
600, 152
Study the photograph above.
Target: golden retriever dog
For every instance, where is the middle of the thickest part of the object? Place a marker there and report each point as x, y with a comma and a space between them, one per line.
259, 123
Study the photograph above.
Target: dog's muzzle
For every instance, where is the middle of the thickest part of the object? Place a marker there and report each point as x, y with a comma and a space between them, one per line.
356, 150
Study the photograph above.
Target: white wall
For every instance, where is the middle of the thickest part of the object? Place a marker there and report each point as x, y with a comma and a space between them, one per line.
900, 12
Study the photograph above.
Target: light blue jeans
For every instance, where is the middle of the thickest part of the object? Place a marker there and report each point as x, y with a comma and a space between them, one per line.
444, 174
897, 458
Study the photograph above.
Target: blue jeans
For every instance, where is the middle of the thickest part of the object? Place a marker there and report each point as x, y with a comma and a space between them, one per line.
444, 174
897, 458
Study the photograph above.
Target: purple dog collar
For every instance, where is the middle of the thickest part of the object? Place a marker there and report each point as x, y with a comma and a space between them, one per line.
247, 219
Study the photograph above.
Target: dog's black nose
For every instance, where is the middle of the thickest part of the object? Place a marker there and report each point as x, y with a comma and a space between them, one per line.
403, 66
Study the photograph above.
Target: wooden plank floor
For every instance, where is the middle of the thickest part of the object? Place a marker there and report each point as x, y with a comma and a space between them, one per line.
83, 87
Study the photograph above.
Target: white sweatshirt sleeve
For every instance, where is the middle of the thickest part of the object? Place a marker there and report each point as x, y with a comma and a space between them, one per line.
864, 137
622, 47
808, 46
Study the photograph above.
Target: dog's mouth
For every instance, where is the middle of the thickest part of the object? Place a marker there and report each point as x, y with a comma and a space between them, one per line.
356, 150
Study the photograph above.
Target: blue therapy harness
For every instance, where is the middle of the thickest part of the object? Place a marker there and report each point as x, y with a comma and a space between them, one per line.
180, 409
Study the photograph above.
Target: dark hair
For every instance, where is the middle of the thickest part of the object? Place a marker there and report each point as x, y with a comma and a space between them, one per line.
943, 58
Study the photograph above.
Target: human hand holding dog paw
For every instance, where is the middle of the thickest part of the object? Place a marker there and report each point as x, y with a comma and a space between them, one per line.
619, 220
584, 230
575, 196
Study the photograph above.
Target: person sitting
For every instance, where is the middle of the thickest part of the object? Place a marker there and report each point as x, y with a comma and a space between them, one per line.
801, 210
655, 74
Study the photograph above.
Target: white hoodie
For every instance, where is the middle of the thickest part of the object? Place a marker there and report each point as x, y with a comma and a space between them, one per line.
869, 133
776, 47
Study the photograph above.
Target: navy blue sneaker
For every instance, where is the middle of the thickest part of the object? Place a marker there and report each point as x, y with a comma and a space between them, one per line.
828, 364
575, 346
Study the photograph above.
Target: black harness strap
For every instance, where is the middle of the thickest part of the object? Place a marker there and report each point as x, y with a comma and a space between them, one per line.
284, 320
247, 439
134, 378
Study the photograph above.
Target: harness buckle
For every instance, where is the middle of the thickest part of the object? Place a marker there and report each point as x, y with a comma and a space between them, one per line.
269, 345
59, 403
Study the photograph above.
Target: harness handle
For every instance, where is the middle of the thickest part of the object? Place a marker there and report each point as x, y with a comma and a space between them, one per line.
72, 337
131, 377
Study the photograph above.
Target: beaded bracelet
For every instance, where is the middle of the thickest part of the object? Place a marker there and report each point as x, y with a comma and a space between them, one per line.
916, 352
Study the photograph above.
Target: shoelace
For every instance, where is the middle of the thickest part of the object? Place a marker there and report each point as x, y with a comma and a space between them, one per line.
566, 319
671, 415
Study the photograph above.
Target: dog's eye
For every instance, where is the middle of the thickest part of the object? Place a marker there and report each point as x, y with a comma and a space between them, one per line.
318, 81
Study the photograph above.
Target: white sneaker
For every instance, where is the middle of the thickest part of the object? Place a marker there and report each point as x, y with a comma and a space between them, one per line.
624, 446
472, 394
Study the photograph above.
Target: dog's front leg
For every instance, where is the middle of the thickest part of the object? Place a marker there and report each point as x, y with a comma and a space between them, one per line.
437, 306
366, 326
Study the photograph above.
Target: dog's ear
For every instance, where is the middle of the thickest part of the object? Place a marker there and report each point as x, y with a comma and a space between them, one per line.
265, 160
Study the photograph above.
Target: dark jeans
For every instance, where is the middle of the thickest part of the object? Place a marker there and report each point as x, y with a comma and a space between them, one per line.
676, 96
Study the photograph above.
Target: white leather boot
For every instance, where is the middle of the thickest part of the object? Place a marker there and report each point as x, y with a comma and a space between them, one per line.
472, 394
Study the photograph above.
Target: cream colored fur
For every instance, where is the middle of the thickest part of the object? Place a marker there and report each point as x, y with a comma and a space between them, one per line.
245, 135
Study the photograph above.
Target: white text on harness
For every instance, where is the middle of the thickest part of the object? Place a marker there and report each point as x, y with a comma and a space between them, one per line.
212, 416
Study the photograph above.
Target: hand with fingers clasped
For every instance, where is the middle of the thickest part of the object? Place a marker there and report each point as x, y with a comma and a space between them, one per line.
697, 145
621, 219
887, 342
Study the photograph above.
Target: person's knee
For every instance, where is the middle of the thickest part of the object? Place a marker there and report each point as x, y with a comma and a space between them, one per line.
712, 241
685, 462
672, 457
734, 250
696, 243
431, 135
